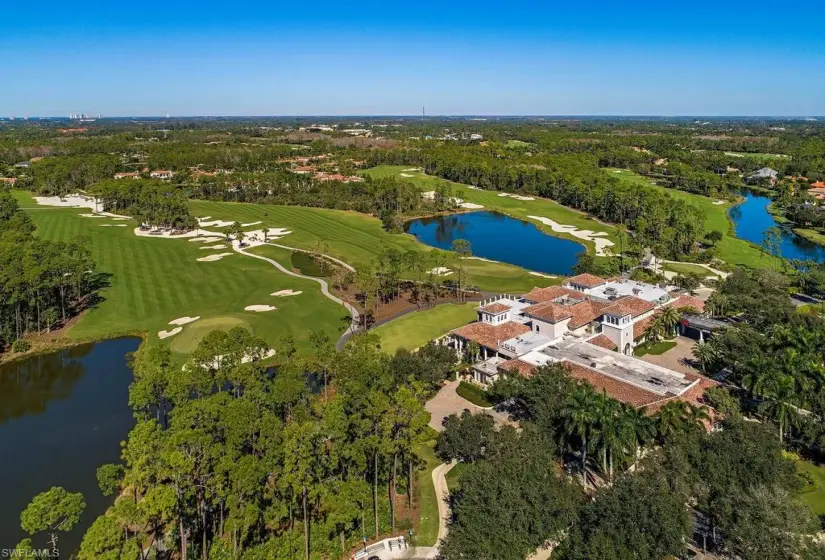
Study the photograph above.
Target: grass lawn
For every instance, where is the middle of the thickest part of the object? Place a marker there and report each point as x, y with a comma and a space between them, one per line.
356, 239
655, 349
813, 494
473, 394
156, 280
427, 532
454, 476
419, 327
688, 268
516, 208
811, 235
730, 249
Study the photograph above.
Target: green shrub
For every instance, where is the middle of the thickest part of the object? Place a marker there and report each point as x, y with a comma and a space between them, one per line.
19, 346
473, 393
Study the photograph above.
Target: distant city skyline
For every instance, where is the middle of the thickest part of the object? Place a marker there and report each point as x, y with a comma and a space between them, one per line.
458, 58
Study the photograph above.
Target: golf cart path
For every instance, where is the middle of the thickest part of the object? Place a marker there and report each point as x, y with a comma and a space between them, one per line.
323, 283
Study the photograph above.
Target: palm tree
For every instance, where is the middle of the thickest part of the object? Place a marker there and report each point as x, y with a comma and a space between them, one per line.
671, 418
780, 398
717, 304
473, 350
580, 420
656, 329
670, 317
705, 355
611, 435
639, 426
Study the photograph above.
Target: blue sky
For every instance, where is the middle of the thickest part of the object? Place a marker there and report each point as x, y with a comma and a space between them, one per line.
338, 58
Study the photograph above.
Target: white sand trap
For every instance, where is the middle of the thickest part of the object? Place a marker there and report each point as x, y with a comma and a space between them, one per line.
93, 215
586, 234
282, 293
112, 225
260, 308
120, 218
525, 198
407, 175
204, 218
218, 246
503, 194
429, 195
542, 275
216, 223
167, 334
207, 239
412, 169
473, 187
70, 201
216, 257
471, 205
441, 271
183, 320
251, 224
718, 202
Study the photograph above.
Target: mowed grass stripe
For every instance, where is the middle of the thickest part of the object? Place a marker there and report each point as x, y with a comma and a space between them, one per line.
156, 280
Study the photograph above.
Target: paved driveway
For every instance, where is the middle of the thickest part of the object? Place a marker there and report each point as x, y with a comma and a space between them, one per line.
677, 357
447, 402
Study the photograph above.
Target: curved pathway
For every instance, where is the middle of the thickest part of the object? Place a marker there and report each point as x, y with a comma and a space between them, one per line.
324, 288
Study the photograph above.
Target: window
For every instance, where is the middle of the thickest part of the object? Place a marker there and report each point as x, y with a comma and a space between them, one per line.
537, 327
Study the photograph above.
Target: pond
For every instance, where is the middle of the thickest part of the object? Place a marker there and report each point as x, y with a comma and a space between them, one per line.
751, 219
500, 238
62, 415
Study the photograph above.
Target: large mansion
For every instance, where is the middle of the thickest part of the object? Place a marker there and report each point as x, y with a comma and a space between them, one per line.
591, 325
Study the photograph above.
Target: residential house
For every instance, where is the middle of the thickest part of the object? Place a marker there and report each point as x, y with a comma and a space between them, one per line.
161, 174
130, 175
766, 173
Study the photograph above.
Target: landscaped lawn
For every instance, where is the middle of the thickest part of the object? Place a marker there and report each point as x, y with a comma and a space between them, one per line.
357, 239
156, 280
543, 207
454, 476
419, 327
688, 268
730, 249
428, 501
654, 349
813, 494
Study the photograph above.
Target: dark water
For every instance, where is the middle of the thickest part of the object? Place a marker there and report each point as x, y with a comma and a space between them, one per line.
751, 219
501, 238
62, 415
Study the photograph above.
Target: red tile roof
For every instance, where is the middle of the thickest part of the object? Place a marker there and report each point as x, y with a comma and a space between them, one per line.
640, 327
689, 301
623, 392
494, 308
489, 335
540, 295
585, 312
603, 341
637, 305
548, 311
586, 280
617, 309
518, 366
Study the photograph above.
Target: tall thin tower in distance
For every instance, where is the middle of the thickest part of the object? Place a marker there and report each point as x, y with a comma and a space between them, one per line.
423, 114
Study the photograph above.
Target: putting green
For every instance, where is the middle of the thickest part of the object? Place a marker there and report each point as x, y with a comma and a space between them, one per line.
186, 341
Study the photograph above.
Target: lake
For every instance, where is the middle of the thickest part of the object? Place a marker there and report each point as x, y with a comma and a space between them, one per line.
500, 238
62, 415
751, 219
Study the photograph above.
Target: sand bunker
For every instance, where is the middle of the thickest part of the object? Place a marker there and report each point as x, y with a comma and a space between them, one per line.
517, 196
215, 223
541, 275
112, 225
92, 215
70, 201
213, 258
120, 218
471, 205
407, 175
251, 224
260, 308
441, 271
183, 320
412, 169
282, 293
718, 202
218, 246
167, 334
586, 234
207, 239
429, 195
